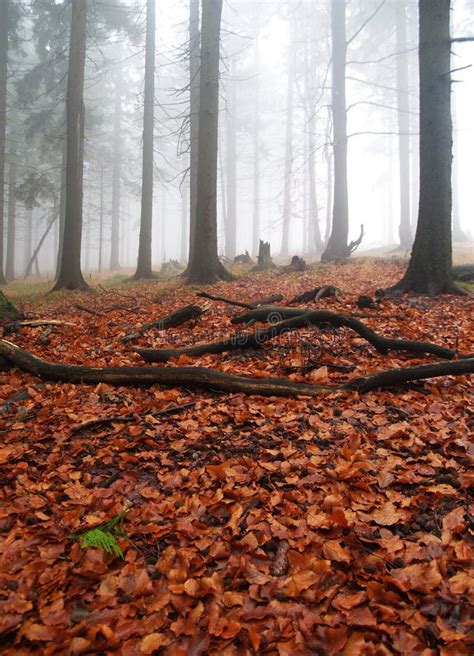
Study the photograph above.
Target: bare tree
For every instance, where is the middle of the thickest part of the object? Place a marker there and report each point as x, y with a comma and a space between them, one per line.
116, 172
230, 225
403, 111
69, 272
4, 8
285, 239
11, 235
194, 83
430, 267
144, 269
204, 266
336, 247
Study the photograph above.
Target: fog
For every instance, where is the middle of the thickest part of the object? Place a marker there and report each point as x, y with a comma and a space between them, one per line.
275, 66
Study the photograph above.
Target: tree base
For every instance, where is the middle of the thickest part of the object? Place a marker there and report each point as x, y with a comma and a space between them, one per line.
71, 283
208, 275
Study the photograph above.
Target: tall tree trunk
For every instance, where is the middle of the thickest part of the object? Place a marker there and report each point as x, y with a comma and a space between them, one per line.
144, 268
28, 242
62, 205
116, 172
256, 156
194, 90
311, 64
11, 237
101, 215
458, 232
4, 7
429, 270
204, 265
403, 111
336, 247
70, 275
285, 237
230, 225
184, 222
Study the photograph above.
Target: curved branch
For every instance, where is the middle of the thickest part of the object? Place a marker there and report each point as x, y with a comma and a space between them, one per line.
257, 338
215, 380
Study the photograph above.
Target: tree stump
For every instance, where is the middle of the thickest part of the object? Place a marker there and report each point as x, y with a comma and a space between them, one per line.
264, 260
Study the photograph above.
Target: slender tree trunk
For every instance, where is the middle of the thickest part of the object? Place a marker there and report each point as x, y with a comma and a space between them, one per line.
285, 237
458, 232
163, 226
116, 172
315, 244
403, 107
70, 275
184, 222
4, 7
204, 266
11, 238
336, 247
307, 228
101, 215
230, 225
62, 206
429, 270
28, 239
194, 90
34, 257
256, 156
144, 268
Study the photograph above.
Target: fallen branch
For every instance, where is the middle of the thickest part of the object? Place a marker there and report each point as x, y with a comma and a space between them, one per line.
128, 419
248, 306
315, 294
256, 339
34, 323
215, 380
192, 311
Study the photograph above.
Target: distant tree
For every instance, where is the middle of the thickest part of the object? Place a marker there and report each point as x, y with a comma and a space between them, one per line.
337, 248
5, 15
230, 225
144, 269
204, 266
11, 212
194, 84
430, 268
70, 274
285, 238
403, 111
116, 164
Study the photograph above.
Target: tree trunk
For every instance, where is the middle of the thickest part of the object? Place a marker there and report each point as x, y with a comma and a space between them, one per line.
230, 225
285, 238
429, 270
194, 86
4, 6
70, 275
34, 257
144, 268
315, 244
403, 111
458, 232
184, 221
28, 242
336, 247
101, 215
11, 235
116, 172
204, 267
62, 205
256, 155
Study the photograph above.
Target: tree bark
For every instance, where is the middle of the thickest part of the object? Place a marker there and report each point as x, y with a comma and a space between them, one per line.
69, 274
429, 270
4, 10
172, 320
230, 225
403, 111
204, 266
11, 235
256, 155
194, 90
28, 242
116, 182
144, 267
285, 238
336, 248
215, 380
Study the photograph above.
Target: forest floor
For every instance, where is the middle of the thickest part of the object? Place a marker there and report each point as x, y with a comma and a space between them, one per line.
280, 526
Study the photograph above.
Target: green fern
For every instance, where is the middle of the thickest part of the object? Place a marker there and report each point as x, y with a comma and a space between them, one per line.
104, 537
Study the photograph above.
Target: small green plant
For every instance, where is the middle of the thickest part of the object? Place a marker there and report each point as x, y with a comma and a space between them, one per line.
105, 537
